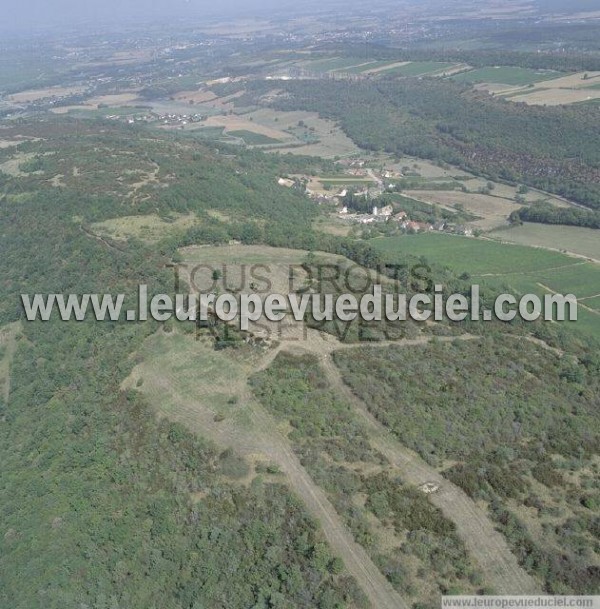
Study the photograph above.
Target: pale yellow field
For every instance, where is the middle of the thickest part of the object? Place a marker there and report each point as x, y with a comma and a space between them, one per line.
332, 225
209, 98
67, 109
198, 97
8, 342
453, 70
390, 66
494, 211
569, 89
355, 65
12, 167
509, 192
9, 143
497, 88
236, 123
508, 9
121, 99
25, 97
573, 81
333, 141
424, 168
123, 57
573, 239
557, 97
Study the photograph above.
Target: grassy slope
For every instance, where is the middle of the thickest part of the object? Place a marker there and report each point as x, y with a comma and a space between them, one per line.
103, 505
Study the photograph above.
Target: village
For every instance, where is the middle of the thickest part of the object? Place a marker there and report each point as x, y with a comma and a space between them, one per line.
358, 195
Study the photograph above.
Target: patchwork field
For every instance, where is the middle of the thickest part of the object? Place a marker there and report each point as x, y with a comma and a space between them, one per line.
557, 97
493, 210
307, 132
252, 138
303, 133
236, 123
372, 67
574, 81
422, 68
26, 97
571, 89
535, 87
104, 102
386, 67
202, 96
523, 269
323, 182
208, 98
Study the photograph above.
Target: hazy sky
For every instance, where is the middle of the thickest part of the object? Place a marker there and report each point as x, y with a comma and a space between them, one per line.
24, 13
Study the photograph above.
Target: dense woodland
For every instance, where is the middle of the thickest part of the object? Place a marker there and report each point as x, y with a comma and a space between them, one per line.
476, 405
106, 507
573, 61
554, 149
549, 214
427, 559
96, 494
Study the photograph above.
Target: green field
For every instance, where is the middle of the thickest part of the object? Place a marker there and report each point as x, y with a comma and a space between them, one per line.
359, 65
371, 65
593, 303
254, 139
418, 68
523, 269
209, 133
335, 63
583, 280
103, 112
476, 256
581, 241
506, 75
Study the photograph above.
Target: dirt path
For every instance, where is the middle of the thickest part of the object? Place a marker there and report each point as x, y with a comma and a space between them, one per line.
8, 342
377, 588
260, 436
486, 545
549, 289
89, 233
556, 268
